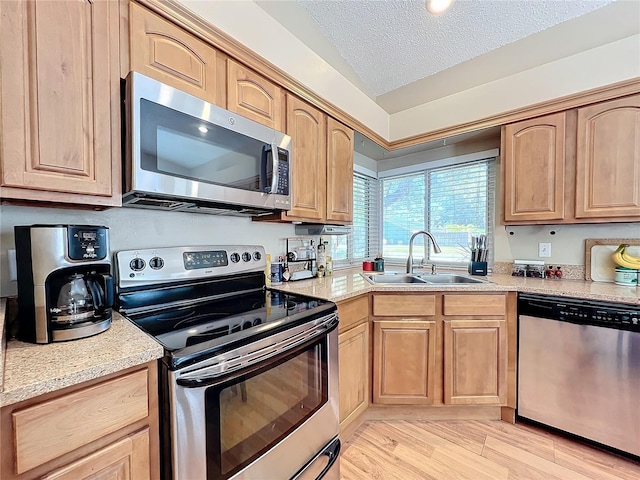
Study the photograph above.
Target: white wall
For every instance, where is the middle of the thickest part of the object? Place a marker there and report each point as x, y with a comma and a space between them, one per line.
247, 23
132, 228
567, 244
253, 27
599, 66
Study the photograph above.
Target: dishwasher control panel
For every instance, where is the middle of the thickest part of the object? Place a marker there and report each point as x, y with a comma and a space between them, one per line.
613, 315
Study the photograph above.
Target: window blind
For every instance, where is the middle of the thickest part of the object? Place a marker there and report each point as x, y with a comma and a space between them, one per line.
363, 241
453, 203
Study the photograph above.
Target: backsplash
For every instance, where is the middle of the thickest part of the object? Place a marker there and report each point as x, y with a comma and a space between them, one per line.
567, 241
569, 272
132, 228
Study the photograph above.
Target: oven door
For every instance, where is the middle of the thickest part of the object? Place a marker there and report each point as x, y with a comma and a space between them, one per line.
265, 420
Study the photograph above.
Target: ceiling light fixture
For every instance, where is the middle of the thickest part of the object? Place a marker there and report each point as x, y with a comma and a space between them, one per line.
436, 7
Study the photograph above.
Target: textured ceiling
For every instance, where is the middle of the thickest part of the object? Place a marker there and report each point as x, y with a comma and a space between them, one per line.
400, 55
392, 43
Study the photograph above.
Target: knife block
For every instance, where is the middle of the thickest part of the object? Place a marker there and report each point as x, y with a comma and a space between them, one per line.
477, 268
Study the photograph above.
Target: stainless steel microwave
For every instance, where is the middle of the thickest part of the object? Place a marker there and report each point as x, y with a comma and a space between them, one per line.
183, 153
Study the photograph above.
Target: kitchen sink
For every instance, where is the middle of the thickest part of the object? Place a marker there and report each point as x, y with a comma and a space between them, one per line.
393, 278
450, 279
424, 279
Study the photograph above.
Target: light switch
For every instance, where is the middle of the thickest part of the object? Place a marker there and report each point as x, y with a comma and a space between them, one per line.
544, 249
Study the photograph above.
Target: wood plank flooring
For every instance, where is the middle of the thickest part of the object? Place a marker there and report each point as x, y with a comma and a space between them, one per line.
474, 450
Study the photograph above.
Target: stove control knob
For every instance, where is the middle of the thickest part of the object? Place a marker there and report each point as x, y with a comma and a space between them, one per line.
246, 256
257, 256
257, 322
137, 264
156, 263
235, 258
246, 325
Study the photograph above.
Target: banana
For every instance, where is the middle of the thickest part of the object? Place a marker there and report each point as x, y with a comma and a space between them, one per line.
630, 259
623, 259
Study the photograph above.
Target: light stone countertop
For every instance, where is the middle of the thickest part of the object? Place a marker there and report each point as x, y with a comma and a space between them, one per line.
348, 283
31, 370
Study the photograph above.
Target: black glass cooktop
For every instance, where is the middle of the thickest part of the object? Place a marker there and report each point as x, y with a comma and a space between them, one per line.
216, 322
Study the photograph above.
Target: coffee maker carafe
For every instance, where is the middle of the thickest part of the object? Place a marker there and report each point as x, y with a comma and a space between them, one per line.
65, 287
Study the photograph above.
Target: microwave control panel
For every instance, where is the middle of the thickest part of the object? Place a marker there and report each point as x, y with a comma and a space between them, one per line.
283, 176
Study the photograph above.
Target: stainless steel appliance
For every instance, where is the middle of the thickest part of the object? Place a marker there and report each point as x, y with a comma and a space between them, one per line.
185, 154
249, 382
579, 368
65, 288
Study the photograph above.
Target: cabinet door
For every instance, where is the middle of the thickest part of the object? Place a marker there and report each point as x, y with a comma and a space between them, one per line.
353, 354
125, 459
60, 95
608, 159
339, 172
307, 128
534, 169
404, 355
254, 97
167, 53
475, 362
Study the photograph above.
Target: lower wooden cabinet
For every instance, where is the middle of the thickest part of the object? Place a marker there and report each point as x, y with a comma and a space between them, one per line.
127, 458
106, 428
404, 356
475, 362
443, 348
353, 359
353, 355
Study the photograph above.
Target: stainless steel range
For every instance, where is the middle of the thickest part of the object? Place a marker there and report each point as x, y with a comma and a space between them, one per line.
249, 382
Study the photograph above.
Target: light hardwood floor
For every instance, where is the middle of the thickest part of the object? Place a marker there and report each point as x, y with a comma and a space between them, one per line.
474, 450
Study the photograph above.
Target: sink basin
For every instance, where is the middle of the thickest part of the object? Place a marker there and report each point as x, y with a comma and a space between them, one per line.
393, 278
450, 279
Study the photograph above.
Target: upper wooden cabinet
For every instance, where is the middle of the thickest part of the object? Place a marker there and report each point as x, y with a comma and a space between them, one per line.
339, 172
164, 51
60, 94
608, 152
254, 97
321, 166
307, 128
578, 166
534, 169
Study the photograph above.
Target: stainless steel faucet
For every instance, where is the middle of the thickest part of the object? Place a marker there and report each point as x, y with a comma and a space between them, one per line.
436, 248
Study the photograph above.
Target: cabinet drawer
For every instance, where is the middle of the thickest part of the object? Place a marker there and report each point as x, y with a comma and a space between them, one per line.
48, 430
475, 305
353, 312
404, 305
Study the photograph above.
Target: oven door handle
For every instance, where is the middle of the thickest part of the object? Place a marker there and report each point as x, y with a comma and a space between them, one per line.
220, 372
309, 472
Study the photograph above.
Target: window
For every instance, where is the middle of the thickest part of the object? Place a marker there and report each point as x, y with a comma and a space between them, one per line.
453, 203
363, 241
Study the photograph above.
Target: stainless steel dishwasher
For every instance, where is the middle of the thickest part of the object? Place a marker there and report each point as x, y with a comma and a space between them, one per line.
579, 368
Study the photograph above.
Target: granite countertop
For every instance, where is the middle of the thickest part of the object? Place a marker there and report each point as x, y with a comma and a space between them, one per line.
348, 283
31, 370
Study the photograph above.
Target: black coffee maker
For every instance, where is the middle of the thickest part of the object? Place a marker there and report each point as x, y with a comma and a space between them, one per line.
65, 287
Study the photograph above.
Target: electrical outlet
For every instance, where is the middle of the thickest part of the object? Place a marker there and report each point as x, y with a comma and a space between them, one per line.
544, 249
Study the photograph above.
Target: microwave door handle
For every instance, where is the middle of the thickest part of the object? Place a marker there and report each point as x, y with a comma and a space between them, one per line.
274, 168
